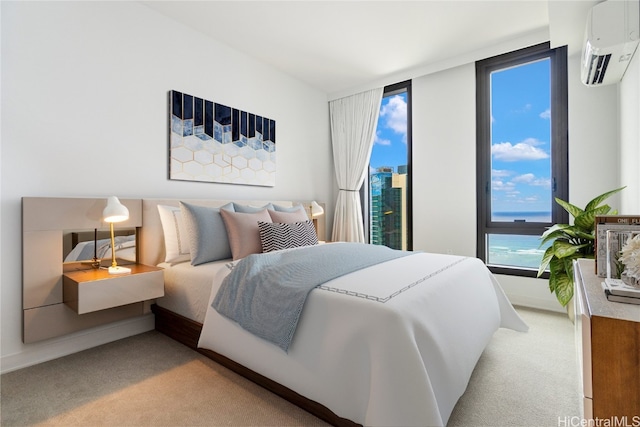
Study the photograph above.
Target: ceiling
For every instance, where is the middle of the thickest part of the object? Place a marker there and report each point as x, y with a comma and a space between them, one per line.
337, 45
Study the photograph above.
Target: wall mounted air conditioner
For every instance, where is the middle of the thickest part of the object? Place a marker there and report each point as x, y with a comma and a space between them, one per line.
611, 38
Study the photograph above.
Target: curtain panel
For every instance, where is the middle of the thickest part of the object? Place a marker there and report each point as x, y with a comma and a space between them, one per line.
353, 125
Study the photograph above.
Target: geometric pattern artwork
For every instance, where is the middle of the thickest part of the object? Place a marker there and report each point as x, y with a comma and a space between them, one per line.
214, 143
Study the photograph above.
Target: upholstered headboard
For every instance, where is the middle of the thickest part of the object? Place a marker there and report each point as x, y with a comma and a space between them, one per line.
152, 248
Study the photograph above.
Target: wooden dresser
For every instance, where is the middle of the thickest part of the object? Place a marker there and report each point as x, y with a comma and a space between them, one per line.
608, 336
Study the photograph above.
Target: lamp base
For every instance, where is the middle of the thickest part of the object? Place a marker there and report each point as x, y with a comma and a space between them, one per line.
119, 270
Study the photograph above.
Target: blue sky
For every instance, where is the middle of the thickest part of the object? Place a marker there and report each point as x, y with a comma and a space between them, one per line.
521, 135
390, 144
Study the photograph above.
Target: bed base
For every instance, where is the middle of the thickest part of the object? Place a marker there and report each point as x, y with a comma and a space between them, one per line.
187, 332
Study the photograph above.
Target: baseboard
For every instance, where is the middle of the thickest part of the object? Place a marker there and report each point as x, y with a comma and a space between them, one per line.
529, 292
537, 303
40, 352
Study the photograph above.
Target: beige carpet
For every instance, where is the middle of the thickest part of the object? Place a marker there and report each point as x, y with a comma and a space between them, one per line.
525, 379
522, 379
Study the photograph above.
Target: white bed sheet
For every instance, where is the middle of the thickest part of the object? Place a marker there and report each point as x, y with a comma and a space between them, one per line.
394, 344
187, 288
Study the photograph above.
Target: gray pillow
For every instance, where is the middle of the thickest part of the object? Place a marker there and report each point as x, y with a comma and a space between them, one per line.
293, 208
250, 209
208, 238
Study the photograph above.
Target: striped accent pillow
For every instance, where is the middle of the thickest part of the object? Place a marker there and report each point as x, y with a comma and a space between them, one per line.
275, 236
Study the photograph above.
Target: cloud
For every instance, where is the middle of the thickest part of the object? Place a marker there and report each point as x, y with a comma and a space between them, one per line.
498, 185
522, 110
530, 179
394, 114
525, 178
525, 150
381, 141
546, 114
500, 173
542, 182
532, 141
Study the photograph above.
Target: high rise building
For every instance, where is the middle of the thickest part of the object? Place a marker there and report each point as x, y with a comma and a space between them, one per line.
388, 207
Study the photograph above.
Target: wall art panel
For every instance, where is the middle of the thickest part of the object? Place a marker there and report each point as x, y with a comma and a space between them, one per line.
212, 142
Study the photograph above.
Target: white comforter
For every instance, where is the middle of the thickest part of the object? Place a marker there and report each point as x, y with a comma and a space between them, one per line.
391, 345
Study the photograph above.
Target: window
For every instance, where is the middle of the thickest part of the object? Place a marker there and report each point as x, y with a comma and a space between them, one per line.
387, 193
522, 162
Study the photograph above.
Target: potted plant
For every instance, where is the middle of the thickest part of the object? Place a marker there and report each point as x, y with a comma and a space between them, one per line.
571, 242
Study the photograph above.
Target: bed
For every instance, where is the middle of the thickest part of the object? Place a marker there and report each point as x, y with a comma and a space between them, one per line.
392, 343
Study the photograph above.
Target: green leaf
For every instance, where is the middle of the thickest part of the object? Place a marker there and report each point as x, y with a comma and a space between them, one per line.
546, 258
579, 234
573, 210
562, 249
553, 284
601, 198
587, 220
568, 264
554, 228
576, 233
565, 232
564, 289
556, 267
556, 234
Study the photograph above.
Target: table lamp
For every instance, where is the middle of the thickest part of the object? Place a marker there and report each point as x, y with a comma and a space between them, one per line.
316, 209
115, 212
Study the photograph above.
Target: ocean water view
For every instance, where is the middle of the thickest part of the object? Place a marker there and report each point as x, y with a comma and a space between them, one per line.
516, 250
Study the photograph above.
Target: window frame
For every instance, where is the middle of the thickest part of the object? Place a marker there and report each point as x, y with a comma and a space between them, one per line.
365, 196
559, 148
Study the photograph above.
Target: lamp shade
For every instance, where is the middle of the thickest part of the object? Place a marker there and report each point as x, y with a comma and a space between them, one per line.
316, 209
115, 211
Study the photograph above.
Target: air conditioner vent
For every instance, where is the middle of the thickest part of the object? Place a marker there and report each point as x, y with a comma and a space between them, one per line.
597, 68
611, 38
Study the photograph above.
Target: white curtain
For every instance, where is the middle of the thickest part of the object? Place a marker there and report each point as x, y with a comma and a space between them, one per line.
353, 125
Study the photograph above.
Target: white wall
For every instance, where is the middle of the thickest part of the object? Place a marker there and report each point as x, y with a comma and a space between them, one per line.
84, 114
630, 137
594, 151
444, 159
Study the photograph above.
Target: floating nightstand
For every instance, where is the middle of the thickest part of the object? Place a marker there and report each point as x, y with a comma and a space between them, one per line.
86, 291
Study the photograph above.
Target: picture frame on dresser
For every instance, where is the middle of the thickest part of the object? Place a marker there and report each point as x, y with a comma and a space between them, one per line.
604, 224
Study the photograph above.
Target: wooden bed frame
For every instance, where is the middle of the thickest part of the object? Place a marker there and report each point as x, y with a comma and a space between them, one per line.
187, 332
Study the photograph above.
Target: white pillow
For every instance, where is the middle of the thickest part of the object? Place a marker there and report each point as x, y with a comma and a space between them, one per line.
176, 237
